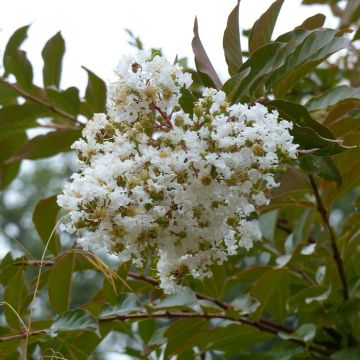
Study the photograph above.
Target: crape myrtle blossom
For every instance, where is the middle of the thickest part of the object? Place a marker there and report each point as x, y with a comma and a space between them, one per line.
156, 181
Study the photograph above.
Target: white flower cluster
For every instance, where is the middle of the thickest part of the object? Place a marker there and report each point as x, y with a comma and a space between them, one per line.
155, 180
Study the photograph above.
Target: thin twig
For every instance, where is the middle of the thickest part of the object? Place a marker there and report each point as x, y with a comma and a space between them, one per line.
336, 254
38, 100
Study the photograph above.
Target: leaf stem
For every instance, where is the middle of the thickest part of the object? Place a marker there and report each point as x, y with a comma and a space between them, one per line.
336, 254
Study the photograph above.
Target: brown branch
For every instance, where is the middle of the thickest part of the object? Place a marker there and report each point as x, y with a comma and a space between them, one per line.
177, 315
38, 100
336, 254
22, 335
223, 305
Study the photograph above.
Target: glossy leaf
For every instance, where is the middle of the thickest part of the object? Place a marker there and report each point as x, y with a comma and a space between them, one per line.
263, 28
308, 133
45, 219
333, 96
231, 42
46, 145
59, 283
74, 320
315, 48
52, 54
205, 69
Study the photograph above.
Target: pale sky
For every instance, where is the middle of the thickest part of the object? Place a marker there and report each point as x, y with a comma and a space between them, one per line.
95, 37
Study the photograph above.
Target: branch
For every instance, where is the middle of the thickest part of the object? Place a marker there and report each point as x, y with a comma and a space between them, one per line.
177, 315
275, 327
336, 254
38, 100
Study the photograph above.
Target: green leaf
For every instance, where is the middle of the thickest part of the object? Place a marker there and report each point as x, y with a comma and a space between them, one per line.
272, 290
333, 96
146, 329
179, 335
13, 46
8, 146
267, 224
203, 64
308, 133
59, 283
21, 67
305, 332
14, 119
263, 28
74, 345
179, 300
313, 22
95, 95
231, 339
67, 100
350, 353
187, 101
313, 50
46, 145
52, 54
231, 42
45, 219
322, 166
75, 320
15, 294
8, 96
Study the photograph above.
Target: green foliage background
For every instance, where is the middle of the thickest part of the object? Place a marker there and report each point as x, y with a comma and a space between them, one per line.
295, 295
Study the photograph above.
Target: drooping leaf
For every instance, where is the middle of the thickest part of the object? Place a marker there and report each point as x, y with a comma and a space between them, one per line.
52, 54
333, 96
74, 320
45, 219
308, 133
205, 69
313, 22
272, 290
231, 42
59, 283
95, 95
263, 28
46, 145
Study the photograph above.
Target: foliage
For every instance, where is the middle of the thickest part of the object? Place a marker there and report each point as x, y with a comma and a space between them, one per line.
295, 295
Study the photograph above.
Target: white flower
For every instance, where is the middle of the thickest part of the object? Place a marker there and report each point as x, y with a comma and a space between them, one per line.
154, 180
